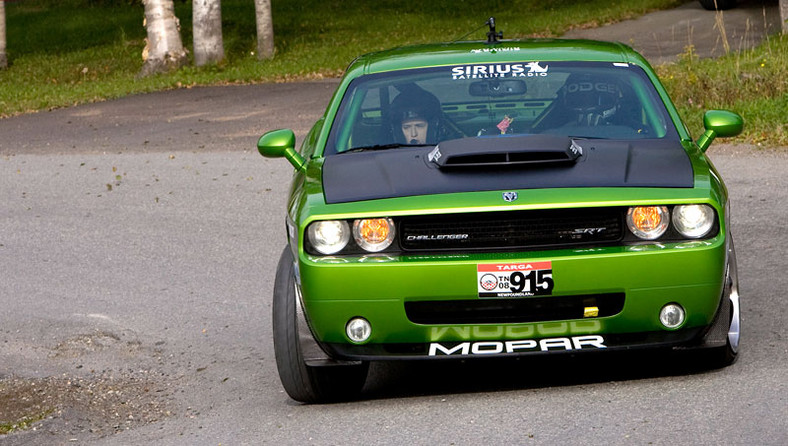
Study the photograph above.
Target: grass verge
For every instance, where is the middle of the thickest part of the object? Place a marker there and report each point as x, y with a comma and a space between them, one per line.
752, 83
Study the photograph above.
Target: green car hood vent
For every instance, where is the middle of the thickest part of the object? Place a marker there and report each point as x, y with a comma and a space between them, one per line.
408, 171
505, 151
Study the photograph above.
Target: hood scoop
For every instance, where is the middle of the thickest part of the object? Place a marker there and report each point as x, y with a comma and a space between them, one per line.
505, 151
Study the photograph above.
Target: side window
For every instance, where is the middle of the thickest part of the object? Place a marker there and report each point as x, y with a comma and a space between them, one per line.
350, 118
368, 122
650, 122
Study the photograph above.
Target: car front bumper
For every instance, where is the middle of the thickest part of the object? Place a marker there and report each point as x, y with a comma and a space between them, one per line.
381, 288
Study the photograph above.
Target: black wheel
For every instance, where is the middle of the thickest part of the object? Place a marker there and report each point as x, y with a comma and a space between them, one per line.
309, 384
713, 5
720, 357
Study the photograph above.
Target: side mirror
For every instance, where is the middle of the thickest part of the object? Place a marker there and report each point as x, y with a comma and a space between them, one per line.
280, 143
719, 123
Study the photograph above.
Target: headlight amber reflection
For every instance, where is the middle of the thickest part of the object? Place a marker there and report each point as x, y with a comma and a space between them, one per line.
373, 234
648, 222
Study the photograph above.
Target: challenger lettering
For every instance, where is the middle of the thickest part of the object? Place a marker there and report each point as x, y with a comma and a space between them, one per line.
411, 238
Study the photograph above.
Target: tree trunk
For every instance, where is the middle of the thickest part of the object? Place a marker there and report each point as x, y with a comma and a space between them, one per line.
265, 29
164, 51
784, 15
3, 56
207, 26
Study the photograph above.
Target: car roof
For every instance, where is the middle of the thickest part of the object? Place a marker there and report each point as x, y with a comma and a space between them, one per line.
444, 54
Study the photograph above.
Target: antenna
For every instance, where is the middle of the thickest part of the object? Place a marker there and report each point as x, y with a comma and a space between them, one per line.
492, 35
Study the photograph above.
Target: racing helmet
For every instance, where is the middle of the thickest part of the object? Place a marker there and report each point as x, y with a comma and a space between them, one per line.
591, 98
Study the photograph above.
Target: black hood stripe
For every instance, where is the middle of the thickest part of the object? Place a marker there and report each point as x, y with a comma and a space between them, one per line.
405, 172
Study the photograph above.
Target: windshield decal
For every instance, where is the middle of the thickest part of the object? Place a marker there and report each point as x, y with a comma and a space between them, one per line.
495, 50
530, 69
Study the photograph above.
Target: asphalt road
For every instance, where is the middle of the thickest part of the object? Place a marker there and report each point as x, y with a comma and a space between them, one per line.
138, 242
166, 278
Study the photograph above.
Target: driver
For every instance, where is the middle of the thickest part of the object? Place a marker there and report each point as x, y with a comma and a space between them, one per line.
592, 100
414, 118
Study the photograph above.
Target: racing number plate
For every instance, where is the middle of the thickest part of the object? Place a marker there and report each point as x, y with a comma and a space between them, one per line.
515, 279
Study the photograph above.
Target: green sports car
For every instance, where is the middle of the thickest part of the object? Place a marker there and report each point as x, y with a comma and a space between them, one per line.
494, 199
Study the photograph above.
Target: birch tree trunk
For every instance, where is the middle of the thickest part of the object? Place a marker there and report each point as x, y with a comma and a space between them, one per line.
3, 56
265, 29
207, 29
164, 49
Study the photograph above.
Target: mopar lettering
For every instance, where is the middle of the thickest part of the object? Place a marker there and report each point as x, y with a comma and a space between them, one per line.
500, 347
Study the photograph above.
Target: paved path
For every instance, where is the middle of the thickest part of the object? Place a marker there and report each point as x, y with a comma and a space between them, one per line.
662, 36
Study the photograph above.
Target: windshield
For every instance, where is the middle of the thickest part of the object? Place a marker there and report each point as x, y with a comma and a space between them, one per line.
423, 107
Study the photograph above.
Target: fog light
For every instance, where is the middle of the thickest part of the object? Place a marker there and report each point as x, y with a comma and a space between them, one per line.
672, 316
358, 329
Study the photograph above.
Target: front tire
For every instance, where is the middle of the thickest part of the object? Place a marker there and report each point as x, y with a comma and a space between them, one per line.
727, 355
308, 384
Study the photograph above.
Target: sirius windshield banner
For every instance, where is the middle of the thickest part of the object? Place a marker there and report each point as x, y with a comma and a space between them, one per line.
529, 69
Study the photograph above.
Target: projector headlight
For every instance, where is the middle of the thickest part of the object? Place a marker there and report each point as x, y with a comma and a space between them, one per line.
329, 237
693, 220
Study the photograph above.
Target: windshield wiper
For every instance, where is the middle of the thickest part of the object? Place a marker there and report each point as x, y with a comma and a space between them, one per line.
385, 147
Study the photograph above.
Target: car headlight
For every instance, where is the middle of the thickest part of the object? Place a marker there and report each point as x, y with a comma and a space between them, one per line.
373, 234
329, 237
648, 222
693, 220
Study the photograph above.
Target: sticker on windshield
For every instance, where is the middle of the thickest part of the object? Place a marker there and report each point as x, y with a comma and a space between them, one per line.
505, 70
515, 279
495, 50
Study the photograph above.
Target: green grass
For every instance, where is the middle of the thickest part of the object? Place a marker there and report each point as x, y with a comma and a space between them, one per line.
66, 52
25, 422
752, 83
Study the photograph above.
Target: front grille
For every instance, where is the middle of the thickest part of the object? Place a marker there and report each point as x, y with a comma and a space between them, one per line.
512, 230
512, 311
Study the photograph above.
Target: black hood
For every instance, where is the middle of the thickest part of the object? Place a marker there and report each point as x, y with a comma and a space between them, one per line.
411, 171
